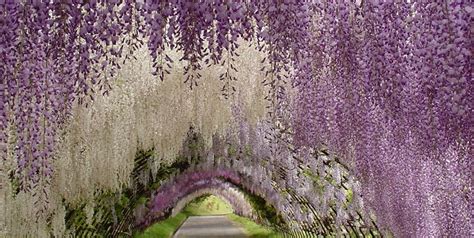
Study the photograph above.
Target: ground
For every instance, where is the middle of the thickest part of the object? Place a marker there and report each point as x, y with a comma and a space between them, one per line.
208, 206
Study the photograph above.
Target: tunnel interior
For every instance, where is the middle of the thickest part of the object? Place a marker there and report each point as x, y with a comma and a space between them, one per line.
345, 118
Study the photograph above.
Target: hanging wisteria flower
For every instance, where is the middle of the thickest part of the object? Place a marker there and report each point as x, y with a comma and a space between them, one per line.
369, 103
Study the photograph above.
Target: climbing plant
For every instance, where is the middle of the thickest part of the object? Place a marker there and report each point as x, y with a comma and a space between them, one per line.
55, 53
372, 98
392, 94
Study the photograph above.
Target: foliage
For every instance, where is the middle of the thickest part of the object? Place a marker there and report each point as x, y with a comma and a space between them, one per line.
390, 94
205, 205
41, 78
164, 228
208, 205
373, 98
266, 213
253, 229
111, 213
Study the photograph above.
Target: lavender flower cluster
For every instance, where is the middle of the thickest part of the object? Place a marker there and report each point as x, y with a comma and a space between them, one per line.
391, 93
383, 86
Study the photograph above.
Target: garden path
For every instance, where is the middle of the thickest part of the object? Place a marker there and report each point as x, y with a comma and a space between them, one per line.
210, 227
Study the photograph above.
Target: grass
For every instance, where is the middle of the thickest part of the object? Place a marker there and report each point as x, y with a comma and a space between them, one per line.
164, 228
253, 229
206, 205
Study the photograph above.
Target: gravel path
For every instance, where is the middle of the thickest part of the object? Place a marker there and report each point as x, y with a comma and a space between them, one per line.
209, 226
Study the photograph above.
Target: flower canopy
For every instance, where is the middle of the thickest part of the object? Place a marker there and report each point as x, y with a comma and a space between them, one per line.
349, 116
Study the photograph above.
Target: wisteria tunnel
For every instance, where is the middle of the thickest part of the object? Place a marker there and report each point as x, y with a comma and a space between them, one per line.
348, 118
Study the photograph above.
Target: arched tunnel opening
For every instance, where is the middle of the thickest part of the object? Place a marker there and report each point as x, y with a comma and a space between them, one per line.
309, 118
157, 197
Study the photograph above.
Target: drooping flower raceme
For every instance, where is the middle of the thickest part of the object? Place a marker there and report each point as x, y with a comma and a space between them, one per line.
54, 54
384, 87
392, 94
